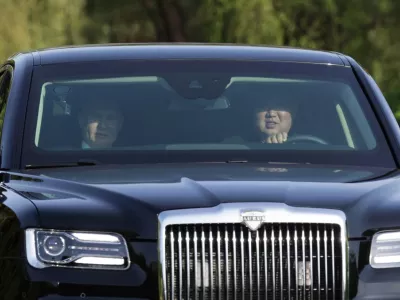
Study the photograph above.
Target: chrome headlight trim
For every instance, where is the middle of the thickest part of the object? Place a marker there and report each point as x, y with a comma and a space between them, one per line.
34, 259
385, 245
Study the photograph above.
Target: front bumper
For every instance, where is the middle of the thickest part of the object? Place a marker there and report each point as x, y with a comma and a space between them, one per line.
381, 284
20, 281
141, 280
83, 296
371, 285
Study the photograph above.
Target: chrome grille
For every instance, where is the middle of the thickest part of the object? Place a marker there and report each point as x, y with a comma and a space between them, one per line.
234, 262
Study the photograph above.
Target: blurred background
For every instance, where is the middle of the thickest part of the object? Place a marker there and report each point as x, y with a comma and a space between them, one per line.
367, 30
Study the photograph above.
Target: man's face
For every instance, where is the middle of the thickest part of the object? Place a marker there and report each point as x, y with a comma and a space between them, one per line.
274, 119
100, 126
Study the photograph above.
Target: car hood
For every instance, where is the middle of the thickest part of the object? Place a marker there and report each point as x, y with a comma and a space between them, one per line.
129, 198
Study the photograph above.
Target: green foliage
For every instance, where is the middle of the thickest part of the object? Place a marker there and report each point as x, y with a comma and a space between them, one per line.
365, 29
240, 21
117, 21
393, 99
39, 23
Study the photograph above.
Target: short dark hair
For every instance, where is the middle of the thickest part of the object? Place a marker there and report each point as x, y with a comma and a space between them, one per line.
276, 102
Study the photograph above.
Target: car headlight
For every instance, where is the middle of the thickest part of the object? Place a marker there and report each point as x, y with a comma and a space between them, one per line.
76, 249
385, 250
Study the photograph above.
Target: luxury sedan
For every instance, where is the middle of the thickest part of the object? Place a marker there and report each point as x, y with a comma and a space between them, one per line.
189, 171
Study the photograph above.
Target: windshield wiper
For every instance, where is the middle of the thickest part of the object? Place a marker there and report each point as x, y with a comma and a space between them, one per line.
239, 161
236, 161
79, 163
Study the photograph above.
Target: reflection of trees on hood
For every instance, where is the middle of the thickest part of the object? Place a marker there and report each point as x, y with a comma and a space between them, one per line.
150, 268
11, 243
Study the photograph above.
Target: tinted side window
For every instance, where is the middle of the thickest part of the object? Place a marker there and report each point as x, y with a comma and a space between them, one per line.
5, 84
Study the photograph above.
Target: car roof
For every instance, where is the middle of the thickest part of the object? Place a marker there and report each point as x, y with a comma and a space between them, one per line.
89, 53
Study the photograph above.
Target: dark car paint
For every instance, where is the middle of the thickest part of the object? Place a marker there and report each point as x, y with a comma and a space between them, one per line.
11, 156
183, 51
136, 195
13, 121
128, 203
383, 112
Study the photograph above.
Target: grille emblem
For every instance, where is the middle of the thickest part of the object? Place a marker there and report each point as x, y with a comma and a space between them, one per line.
253, 219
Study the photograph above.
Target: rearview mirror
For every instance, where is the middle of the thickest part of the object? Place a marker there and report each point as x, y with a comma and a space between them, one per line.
199, 104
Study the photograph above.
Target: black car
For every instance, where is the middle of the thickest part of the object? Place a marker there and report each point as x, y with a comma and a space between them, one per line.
196, 172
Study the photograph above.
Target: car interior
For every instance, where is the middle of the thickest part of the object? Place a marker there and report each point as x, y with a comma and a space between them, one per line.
156, 114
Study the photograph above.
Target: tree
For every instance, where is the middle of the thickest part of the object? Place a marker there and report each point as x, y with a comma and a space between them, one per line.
39, 23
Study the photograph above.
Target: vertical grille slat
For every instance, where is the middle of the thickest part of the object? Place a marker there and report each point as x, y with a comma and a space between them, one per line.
326, 261
273, 275
226, 264
277, 261
172, 242
219, 262
211, 253
296, 258
203, 265
319, 263
333, 261
303, 255
243, 288
265, 239
280, 262
258, 264
187, 263
250, 264
311, 264
288, 262
180, 262
195, 258
234, 258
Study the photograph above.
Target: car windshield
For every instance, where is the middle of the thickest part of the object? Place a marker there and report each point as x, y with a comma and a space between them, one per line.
201, 111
